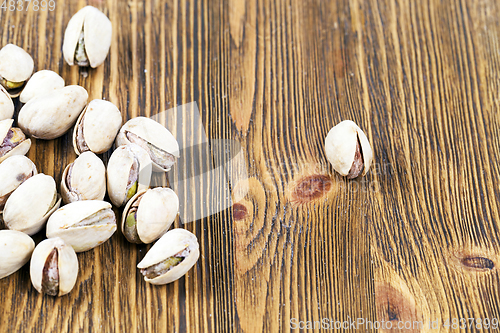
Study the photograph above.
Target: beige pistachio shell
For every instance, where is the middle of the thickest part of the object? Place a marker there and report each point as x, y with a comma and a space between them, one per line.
51, 115
340, 147
20, 149
84, 179
13, 172
118, 172
41, 83
67, 265
98, 125
153, 133
83, 224
6, 104
16, 65
155, 213
176, 242
97, 36
15, 251
30, 205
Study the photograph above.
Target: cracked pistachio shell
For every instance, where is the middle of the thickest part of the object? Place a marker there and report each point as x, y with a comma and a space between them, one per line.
170, 244
6, 104
20, 149
67, 265
155, 213
83, 224
86, 181
340, 147
15, 251
98, 123
41, 83
119, 173
151, 133
30, 205
13, 172
97, 36
51, 115
16, 65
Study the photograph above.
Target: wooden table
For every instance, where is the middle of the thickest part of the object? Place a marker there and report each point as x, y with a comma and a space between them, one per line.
417, 239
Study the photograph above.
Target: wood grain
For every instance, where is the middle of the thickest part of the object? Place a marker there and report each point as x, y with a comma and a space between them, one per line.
416, 239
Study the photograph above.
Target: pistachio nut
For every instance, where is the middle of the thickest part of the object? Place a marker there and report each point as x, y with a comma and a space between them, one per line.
13, 172
96, 128
41, 83
15, 251
170, 257
53, 267
30, 205
83, 224
14, 142
348, 150
129, 171
153, 137
87, 38
16, 67
6, 104
84, 179
51, 115
149, 214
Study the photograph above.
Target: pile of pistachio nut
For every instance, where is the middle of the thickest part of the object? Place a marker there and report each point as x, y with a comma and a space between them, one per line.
30, 200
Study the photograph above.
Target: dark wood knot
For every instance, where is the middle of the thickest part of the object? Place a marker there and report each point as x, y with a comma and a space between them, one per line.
239, 211
478, 263
392, 306
311, 187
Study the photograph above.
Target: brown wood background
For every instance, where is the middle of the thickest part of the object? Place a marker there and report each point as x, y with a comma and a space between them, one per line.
416, 239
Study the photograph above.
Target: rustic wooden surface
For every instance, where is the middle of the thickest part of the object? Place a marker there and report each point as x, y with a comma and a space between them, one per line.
416, 239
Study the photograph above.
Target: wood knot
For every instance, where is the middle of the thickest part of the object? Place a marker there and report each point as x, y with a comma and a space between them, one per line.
239, 211
392, 306
310, 188
476, 261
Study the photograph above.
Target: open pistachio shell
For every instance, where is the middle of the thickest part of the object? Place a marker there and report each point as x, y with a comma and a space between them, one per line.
84, 179
87, 38
149, 214
153, 137
96, 128
348, 150
15, 251
129, 171
30, 205
83, 224
53, 267
6, 104
16, 66
51, 115
13, 172
170, 257
41, 83
13, 140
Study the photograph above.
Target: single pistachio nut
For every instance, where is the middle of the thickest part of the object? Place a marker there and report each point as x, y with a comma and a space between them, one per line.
53, 267
348, 150
83, 224
14, 142
41, 83
13, 172
170, 257
153, 137
16, 67
51, 115
87, 38
30, 205
149, 214
6, 104
15, 251
129, 171
84, 179
96, 128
